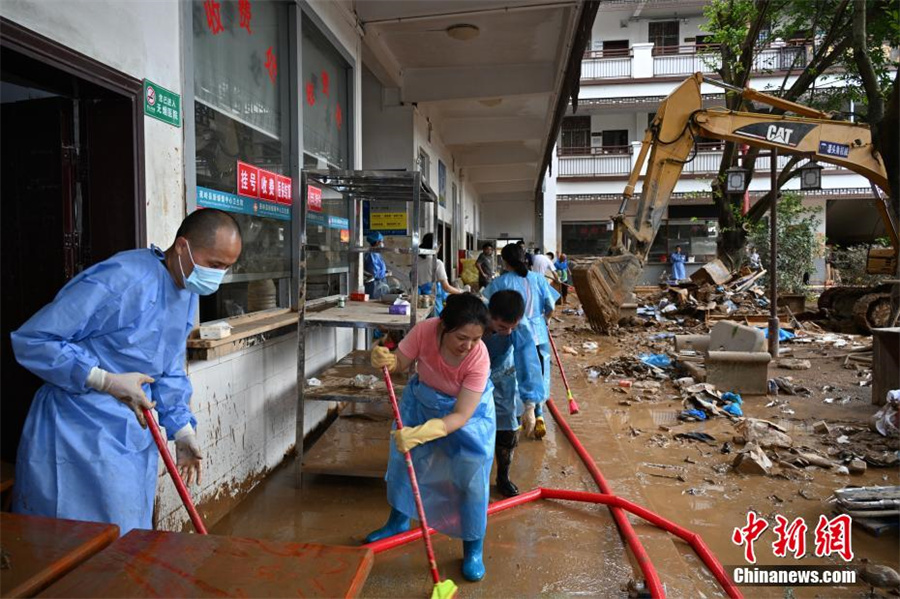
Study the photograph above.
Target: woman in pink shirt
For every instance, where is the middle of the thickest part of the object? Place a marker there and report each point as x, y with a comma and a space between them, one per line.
448, 416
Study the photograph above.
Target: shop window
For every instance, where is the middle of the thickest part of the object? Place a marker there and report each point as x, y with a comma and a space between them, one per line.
241, 66
325, 93
664, 36
586, 238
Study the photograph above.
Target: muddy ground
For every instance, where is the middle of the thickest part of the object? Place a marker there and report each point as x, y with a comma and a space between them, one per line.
561, 549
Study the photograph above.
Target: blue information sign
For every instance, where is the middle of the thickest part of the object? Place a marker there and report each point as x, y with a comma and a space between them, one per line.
211, 198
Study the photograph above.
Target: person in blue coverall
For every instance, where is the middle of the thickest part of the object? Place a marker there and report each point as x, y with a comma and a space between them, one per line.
375, 269
515, 373
540, 300
114, 335
677, 259
449, 426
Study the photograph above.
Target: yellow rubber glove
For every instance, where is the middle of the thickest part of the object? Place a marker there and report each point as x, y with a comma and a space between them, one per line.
408, 437
382, 356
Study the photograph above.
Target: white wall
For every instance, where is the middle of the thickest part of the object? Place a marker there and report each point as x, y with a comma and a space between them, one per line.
387, 127
508, 219
142, 40
608, 26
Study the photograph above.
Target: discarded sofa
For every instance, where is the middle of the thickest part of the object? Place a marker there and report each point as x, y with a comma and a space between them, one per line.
735, 356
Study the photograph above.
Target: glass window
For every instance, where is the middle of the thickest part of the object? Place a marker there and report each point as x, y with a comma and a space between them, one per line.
328, 239
575, 135
241, 63
586, 238
325, 95
664, 35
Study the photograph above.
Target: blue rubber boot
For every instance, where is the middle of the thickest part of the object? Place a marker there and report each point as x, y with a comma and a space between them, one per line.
473, 566
397, 522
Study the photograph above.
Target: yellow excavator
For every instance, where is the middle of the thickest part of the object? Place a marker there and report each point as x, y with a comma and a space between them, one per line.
608, 282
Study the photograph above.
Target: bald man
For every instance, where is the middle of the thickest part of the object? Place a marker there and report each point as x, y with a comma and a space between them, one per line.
112, 336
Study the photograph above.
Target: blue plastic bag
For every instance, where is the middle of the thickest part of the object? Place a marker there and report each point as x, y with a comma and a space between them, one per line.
732, 397
734, 409
698, 414
782, 334
658, 360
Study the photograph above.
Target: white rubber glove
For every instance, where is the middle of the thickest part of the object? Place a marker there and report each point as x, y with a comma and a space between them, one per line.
126, 387
188, 455
528, 419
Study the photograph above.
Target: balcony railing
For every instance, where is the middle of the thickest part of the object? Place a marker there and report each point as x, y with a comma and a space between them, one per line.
646, 60
617, 162
595, 162
607, 64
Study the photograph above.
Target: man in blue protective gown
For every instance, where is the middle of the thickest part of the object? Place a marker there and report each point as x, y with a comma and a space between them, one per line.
374, 267
114, 335
516, 375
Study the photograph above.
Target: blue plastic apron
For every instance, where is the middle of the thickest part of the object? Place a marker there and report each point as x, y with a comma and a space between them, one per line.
453, 472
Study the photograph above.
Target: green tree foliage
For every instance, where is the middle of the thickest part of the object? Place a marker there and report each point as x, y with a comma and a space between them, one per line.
744, 28
798, 243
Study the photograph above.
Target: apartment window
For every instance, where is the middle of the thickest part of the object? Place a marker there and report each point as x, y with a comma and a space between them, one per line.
241, 114
575, 136
664, 35
615, 141
614, 48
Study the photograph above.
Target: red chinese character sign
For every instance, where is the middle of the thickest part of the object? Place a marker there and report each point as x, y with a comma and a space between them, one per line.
247, 180
314, 199
283, 190
246, 14
833, 536
271, 64
267, 186
747, 535
213, 16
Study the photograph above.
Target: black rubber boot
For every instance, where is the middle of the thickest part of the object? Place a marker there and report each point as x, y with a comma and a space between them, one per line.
506, 446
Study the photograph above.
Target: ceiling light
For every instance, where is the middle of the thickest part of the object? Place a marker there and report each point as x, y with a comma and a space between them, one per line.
463, 32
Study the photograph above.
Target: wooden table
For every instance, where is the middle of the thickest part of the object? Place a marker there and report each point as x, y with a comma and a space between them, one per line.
43, 550
371, 315
147, 563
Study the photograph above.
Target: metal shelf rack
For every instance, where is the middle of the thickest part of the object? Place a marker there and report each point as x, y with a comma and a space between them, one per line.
404, 187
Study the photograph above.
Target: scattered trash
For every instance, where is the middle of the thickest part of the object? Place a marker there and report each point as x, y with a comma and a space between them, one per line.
657, 360
692, 415
843, 439
786, 384
856, 466
732, 397
764, 433
570, 350
593, 374
656, 385
886, 421
734, 409
793, 364
753, 460
821, 427
686, 381
364, 381
590, 346
313, 382
626, 384
783, 335
695, 436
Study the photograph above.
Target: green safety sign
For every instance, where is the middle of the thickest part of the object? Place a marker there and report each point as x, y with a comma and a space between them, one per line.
161, 103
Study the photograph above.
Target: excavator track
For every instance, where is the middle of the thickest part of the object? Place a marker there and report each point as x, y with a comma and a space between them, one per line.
872, 311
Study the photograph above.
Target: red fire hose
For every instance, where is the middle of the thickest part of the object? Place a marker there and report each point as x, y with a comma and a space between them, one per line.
173, 472
617, 506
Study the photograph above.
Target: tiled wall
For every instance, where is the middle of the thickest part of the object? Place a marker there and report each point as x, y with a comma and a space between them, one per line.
245, 404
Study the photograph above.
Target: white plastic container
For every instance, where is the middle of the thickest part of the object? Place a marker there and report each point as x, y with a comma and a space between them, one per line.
215, 330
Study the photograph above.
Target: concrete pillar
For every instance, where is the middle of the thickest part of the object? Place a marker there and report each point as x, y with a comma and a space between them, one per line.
642, 62
550, 226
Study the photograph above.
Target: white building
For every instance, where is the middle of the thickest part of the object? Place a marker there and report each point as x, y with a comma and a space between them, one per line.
639, 52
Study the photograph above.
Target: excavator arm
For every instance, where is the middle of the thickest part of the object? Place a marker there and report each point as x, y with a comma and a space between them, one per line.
667, 146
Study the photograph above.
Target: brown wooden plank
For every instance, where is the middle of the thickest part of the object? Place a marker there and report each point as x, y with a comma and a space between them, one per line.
43, 550
147, 563
244, 326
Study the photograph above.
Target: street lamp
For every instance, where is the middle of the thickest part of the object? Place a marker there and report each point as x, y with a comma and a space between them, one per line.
810, 176
735, 179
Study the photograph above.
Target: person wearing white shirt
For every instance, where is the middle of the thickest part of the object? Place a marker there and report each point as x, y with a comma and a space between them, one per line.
543, 265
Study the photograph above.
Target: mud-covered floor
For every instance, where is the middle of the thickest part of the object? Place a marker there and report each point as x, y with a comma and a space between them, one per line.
562, 549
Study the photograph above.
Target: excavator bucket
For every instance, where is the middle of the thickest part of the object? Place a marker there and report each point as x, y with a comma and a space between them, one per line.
604, 286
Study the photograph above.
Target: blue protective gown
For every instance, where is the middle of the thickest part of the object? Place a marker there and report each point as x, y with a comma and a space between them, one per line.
540, 298
453, 472
515, 373
373, 263
83, 455
678, 272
